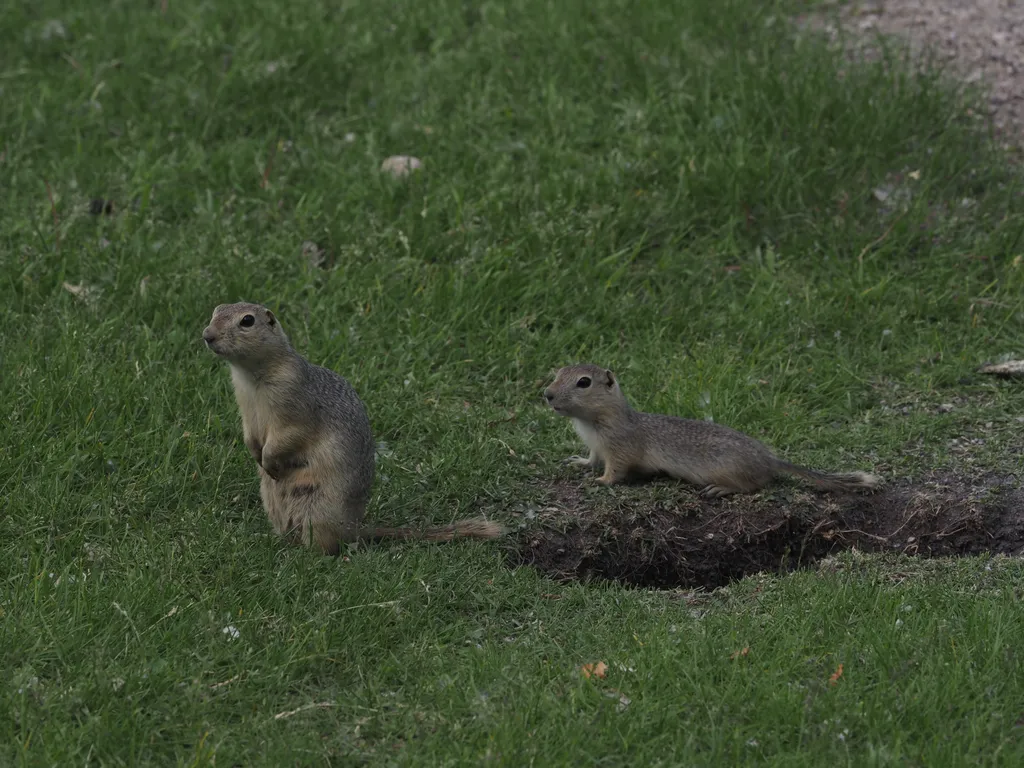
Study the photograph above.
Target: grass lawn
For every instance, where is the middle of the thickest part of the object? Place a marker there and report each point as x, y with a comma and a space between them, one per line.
737, 220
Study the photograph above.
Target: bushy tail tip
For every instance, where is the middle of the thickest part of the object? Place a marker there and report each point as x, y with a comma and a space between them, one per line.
864, 480
840, 481
846, 481
477, 528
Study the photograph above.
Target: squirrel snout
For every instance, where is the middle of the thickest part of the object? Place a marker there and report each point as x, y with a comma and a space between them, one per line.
549, 395
209, 336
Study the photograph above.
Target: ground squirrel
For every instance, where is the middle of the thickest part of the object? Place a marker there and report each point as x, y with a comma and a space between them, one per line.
717, 459
310, 435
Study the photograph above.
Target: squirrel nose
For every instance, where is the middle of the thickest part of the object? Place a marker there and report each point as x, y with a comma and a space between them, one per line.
209, 336
549, 395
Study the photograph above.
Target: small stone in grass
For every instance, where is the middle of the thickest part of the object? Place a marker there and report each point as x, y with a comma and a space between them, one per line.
313, 254
400, 166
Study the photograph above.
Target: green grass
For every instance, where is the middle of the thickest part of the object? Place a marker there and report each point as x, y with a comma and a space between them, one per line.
681, 191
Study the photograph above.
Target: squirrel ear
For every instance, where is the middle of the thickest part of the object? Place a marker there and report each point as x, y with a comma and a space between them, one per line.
270, 318
611, 377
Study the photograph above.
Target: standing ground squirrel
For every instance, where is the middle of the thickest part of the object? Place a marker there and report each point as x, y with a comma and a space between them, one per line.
309, 433
716, 458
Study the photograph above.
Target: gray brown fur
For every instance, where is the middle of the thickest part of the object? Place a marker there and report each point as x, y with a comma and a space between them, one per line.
309, 433
717, 459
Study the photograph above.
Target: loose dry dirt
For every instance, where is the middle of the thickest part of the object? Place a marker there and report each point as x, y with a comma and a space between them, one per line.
982, 41
627, 536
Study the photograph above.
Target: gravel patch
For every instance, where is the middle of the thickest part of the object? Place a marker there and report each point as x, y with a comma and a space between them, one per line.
982, 41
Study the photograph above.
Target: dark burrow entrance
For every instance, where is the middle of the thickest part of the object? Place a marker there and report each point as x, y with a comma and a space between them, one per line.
666, 537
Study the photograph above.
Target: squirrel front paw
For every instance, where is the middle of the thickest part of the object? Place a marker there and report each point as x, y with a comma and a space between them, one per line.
279, 467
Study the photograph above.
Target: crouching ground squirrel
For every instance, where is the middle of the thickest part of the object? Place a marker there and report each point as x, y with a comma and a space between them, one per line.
717, 459
309, 433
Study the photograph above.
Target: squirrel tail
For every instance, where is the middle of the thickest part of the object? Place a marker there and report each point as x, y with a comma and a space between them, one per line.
840, 481
476, 528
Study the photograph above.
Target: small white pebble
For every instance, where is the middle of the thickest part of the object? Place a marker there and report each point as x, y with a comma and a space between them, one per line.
400, 166
53, 28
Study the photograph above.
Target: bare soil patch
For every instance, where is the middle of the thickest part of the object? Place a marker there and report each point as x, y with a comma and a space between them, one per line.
981, 41
627, 536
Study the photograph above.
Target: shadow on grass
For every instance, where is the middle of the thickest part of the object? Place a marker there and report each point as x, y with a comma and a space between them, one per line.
691, 542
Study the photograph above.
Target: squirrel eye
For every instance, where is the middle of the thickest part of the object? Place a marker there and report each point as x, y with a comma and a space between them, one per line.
583, 382
248, 321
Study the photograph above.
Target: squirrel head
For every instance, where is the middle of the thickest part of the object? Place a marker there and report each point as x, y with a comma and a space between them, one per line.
584, 392
247, 335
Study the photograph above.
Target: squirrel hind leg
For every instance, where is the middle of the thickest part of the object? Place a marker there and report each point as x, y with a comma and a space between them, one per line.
325, 539
716, 491
327, 522
275, 504
726, 483
613, 475
328, 536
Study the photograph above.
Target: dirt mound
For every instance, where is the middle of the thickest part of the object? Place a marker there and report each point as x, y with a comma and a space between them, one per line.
628, 536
